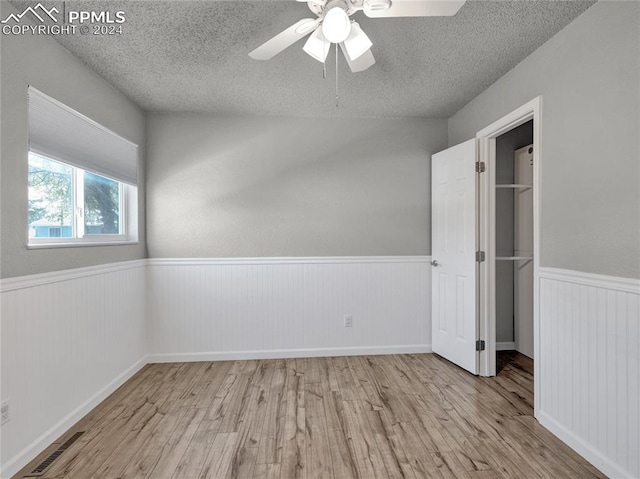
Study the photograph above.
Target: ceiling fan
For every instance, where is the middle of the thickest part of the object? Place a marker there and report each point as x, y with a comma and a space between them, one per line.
333, 25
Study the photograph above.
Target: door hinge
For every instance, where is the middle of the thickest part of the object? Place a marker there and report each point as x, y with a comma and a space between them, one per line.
480, 167
480, 345
479, 256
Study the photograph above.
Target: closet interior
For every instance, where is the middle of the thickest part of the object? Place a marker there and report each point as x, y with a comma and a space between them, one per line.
514, 240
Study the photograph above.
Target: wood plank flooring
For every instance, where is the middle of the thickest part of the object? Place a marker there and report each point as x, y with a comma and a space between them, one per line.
404, 416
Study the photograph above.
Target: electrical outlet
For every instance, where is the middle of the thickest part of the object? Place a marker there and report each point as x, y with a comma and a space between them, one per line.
348, 321
4, 412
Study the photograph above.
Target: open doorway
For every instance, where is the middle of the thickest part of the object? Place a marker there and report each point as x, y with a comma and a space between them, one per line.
514, 247
477, 248
509, 235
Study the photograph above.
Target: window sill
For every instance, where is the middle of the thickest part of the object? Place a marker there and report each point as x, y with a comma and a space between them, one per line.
81, 244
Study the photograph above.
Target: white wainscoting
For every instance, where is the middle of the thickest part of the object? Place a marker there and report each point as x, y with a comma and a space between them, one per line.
69, 339
287, 307
590, 368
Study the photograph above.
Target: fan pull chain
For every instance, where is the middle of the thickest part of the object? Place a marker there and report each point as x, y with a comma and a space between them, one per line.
337, 97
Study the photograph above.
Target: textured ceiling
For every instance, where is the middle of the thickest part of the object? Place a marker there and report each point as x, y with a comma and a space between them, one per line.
192, 56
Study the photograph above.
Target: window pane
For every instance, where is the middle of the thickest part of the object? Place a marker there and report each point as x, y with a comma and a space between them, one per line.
101, 205
50, 198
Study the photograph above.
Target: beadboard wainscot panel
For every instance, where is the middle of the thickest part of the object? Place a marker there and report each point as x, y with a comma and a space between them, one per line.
590, 368
217, 309
69, 339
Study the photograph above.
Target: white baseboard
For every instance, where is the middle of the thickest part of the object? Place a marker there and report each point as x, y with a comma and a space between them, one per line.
47, 438
506, 346
287, 353
606, 466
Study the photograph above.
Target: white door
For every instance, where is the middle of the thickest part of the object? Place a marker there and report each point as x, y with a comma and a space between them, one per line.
453, 231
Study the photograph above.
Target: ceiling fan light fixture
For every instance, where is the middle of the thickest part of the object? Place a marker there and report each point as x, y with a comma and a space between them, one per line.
376, 5
357, 43
336, 24
317, 46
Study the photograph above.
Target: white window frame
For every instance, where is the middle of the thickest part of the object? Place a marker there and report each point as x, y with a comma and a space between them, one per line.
127, 220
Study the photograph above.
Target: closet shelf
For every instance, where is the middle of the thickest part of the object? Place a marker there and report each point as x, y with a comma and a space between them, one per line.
523, 187
514, 258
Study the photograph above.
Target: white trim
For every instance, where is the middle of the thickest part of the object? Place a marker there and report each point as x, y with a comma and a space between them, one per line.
514, 119
28, 281
79, 208
487, 138
81, 242
22, 282
287, 260
609, 468
628, 285
288, 353
506, 346
23, 458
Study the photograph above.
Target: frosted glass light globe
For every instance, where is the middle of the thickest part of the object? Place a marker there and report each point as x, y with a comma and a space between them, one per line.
336, 25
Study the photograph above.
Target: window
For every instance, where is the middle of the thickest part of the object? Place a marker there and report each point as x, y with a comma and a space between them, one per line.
101, 205
82, 178
50, 198
69, 202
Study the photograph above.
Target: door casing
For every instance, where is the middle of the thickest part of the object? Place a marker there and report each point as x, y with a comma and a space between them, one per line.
486, 137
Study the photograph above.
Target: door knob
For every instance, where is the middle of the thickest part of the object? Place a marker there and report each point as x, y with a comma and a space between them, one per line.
435, 263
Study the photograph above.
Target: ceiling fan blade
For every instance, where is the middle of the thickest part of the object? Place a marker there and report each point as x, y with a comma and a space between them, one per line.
417, 8
361, 63
285, 39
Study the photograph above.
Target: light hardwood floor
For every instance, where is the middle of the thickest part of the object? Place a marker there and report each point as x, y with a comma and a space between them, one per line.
411, 416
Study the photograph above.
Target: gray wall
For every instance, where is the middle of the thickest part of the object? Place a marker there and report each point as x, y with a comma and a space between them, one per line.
40, 61
251, 187
588, 75
505, 146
